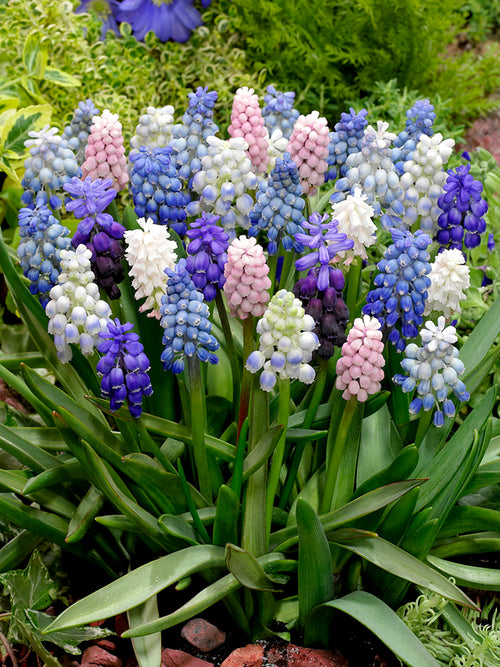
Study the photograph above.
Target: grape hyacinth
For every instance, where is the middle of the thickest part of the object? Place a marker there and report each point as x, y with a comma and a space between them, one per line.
279, 206
75, 311
76, 134
419, 120
433, 370
98, 231
149, 251
287, 342
355, 219
372, 169
189, 139
42, 239
461, 222
308, 147
51, 163
401, 286
359, 369
226, 173
449, 276
123, 367
154, 129
346, 138
423, 181
207, 255
157, 189
326, 307
278, 112
105, 152
325, 242
247, 122
185, 321
247, 281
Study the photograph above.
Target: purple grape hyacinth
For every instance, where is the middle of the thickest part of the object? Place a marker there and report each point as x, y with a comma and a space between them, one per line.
123, 367
207, 254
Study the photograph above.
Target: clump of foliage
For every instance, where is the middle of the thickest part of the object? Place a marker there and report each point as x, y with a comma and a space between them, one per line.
482, 18
118, 70
345, 48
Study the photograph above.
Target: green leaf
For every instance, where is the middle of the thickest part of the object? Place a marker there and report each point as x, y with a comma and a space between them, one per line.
19, 548
15, 131
31, 588
139, 585
89, 507
60, 473
248, 571
176, 527
29, 455
483, 336
147, 649
473, 543
34, 56
226, 517
66, 639
315, 578
262, 451
482, 578
378, 618
466, 519
378, 445
60, 78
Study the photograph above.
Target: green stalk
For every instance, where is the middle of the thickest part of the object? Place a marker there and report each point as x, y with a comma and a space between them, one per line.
279, 452
235, 369
272, 262
198, 421
113, 211
254, 520
246, 380
147, 444
287, 265
423, 426
353, 285
319, 386
337, 451
197, 522
237, 480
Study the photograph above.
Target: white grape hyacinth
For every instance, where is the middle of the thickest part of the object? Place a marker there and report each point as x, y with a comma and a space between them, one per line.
154, 129
450, 277
355, 218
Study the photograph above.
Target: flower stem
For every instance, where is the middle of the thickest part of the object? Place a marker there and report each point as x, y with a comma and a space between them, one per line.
353, 285
235, 369
423, 426
246, 380
113, 211
339, 443
277, 460
198, 420
287, 265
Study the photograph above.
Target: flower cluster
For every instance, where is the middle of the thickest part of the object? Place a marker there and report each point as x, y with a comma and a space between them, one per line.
449, 278
247, 280
123, 367
157, 189
401, 286
433, 370
105, 152
42, 239
75, 311
247, 122
419, 120
98, 231
359, 369
189, 139
279, 207
226, 173
207, 255
325, 241
346, 138
278, 112
184, 317
154, 129
287, 342
149, 251
461, 223
326, 307
308, 147
76, 134
423, 181
50, 165
355, 219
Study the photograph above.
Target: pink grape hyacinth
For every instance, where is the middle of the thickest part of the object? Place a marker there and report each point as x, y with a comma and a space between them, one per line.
308, 148
247, 122
105, 152
247, 279
359, 369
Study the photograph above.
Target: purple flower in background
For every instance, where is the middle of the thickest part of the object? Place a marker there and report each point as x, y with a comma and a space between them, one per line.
123, 368
105, 11
168, 19
207, 254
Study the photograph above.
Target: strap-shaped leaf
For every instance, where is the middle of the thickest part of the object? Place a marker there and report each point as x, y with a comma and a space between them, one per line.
262, 451
18, 549
64, 472
466, 519
226, 517
176, 527
482, 578
17, 383
248, 571
25, 452
481, 339
147, 649
89, 507
15, 480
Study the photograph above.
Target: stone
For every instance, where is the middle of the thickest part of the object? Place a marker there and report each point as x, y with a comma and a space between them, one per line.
255, 655
172, 658
203, 635
95, 655
248, 656
309, 657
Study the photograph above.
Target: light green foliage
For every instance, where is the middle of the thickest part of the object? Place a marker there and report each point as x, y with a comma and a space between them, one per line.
482, 17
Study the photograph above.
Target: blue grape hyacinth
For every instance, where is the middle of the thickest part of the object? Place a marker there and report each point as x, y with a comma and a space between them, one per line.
419, 120
123, 367
279, 206
184, 317
401, 286
157, 189
76, 134
433, 370
278, 112
346, 139
207, 254
42, 239
462, 221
